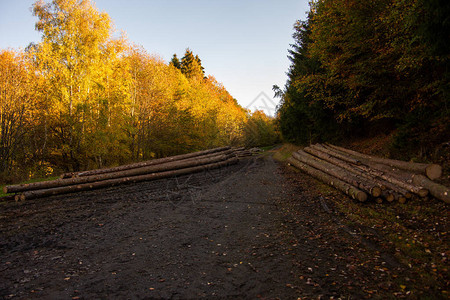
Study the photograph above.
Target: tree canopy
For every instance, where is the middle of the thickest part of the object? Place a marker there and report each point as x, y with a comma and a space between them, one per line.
364, 66
82, 98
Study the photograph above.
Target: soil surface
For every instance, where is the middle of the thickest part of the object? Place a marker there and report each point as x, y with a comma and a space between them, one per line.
257, 229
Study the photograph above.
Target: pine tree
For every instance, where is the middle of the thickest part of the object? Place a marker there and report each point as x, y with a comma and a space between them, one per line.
301, 118
190, 66
199, 61
175, 62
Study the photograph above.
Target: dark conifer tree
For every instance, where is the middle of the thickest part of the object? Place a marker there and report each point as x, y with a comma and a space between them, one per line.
199, 61
190, 66
175, 62
301, 119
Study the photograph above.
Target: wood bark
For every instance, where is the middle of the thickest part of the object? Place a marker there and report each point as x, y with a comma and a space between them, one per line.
346, 188
145, 163
133, 179
383, 184
397, 188
402, 175
173, 165
385, 174
402, 199
336, 154
432, 171
388, 196
243, 153
439, 191
338, 172
405, 187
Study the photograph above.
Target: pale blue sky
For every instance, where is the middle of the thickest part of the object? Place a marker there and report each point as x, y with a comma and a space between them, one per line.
243, 43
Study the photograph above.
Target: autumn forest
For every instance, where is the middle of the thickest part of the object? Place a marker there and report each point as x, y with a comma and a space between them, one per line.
83, 98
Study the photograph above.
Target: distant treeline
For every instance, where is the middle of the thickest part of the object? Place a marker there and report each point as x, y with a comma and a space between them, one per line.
365, 67
82, 99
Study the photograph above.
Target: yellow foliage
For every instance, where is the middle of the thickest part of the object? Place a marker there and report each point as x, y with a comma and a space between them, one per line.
89, 100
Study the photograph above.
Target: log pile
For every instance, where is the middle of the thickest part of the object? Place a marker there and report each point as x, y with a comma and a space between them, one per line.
143, 171
243, 152
363, 176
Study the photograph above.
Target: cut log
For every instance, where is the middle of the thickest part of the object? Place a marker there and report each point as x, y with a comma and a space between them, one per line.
438, 191
174, 165
402, 175
351, 168
402, 200
338, 172
388, 196
364, 171
145, 163
391, 171
336, 154
114, 182
432, 171
419, 190
400, 197
334, 160
243, 153
385, 174
344, 187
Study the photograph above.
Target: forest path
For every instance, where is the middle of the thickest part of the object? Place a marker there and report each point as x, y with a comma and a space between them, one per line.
254, 230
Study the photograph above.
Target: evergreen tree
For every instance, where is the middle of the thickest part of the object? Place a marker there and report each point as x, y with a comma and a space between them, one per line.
175, 62
359, 68
190, 67
199, 61
301, 118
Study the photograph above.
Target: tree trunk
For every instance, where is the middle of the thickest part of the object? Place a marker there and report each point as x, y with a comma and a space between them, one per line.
388, 196
338, 172
146, 163
377, 176
400, 174
384, 173
335, 154
351, 168
344, 187
113, 182
405, 186
433, 171
173, 165
439, 191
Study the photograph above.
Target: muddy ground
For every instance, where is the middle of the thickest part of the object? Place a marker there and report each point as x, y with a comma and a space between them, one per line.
257, 229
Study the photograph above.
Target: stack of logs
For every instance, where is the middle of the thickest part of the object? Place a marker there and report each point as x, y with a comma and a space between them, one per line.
131, 173
362, 176
243, 152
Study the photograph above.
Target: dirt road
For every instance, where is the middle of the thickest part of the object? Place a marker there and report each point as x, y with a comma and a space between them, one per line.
253, 230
